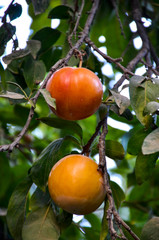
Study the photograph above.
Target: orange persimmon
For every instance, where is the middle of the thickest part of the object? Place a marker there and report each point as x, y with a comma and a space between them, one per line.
77, 92
76, 185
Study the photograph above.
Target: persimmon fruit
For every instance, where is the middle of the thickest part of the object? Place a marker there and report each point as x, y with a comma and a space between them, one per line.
77, 91
76, 185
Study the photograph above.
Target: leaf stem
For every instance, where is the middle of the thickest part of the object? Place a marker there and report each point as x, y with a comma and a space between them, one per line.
16, 84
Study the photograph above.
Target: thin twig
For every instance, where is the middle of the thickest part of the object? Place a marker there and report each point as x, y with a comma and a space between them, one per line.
118, 17
86, 148
108, 58
76, 24
57, 65
150, 67
131, 65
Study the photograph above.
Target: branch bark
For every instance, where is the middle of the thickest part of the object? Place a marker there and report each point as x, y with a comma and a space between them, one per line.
108, 58
137, 15
111, 212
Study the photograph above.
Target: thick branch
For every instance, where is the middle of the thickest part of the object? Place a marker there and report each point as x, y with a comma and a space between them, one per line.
154, 56
136, 12
111, 212
103, 168
60, 63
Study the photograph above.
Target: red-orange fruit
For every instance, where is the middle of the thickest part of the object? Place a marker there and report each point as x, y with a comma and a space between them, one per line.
76, 185
78, 92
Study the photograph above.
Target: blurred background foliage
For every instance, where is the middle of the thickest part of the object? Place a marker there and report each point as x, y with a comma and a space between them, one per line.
136, 190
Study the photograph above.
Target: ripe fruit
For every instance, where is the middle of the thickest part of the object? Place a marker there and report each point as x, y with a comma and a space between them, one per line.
76, 185
78, 92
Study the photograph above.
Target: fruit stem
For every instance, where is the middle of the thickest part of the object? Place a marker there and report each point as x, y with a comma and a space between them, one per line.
80, 63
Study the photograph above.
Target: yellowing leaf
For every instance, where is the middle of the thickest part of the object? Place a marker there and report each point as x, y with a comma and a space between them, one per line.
12, 95
142, 91
151, 142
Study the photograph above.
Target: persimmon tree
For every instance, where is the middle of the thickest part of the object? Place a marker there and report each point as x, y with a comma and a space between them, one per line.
33, 139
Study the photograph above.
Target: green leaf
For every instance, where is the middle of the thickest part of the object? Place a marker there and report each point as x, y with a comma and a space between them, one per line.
47, 36
151, 108
50, 101
71, 126
39, 199
13, 115
114, 150
144, 167
17, 207
33, 71
142, 91
151, 142
15, 55
12, 95
94, 221
6, 179
33, 46
114, 39
48, 157
40, 6
42, 167
150, 230
105, 227
41, 225
18, 110
71, 233
51, 56
4, 36
114, 133
64, 219
136, 140
60, 12
118, 193
14, 11
2, 78
90, 233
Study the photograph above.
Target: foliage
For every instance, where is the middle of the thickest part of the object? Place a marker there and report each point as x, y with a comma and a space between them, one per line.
33, 139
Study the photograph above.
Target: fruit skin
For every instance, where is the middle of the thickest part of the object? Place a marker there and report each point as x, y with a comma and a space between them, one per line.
78, 92
76, 185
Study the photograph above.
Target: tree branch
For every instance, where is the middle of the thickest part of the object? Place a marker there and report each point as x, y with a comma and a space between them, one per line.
111, 212
76, 24
86, 148
57, 65
114, 3
108, 58
136, 12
